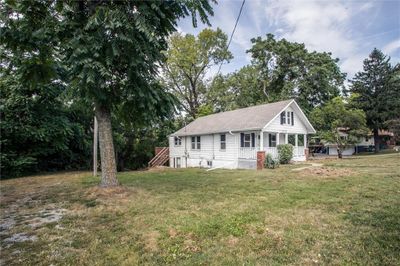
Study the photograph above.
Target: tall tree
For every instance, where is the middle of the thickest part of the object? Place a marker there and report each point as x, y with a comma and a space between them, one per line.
110, 50
188, 60
240, 89
340, 124
288, 70
376, 92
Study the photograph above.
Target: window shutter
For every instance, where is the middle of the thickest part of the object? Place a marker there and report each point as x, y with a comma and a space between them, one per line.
292, 119
253, 139
242, 140
269, 140
282, 117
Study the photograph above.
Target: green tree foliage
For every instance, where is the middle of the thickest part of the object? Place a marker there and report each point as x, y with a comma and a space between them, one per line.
188, 60
236, 90
287, 70
340, 124
106, 51
39, 131
376, 91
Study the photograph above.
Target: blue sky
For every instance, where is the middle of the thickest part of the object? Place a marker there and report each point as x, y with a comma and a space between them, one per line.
348, 29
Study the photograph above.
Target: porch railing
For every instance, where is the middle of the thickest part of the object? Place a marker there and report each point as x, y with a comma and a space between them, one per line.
251, 153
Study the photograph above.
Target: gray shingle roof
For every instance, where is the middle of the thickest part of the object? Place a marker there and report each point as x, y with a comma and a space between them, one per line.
250, 118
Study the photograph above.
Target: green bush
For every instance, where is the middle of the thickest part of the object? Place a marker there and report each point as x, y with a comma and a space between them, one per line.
285, 152
270, 162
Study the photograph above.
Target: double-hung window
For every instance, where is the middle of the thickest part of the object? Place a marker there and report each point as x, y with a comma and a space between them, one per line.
247, 140
177, 141
287, 118
196, 143
222, 141
272, 140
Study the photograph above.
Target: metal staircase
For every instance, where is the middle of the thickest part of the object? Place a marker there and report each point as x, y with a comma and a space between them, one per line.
161, 157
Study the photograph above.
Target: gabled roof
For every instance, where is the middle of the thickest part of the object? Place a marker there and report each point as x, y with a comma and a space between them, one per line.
250, 118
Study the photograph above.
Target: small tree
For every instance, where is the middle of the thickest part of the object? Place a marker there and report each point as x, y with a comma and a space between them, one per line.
338, 124
285, 152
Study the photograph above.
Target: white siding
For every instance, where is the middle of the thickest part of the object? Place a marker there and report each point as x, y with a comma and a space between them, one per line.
209, 151
233, 155
346, 152
298, 127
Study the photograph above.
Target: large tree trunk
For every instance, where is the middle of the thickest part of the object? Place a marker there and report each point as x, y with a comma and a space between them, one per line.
107, 155
376, 140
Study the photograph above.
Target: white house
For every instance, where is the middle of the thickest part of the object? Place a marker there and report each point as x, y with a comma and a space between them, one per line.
364, 144
231, 139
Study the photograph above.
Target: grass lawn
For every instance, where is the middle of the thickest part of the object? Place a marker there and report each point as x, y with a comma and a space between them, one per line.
346, 212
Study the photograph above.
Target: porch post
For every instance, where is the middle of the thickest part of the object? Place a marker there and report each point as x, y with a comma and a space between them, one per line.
277, 139
296, 145
286, 138
305, 140
261, 141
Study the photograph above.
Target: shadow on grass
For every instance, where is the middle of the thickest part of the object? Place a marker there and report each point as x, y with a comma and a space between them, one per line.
379, 232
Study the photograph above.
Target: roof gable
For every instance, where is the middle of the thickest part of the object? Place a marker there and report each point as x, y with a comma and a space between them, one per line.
250, 118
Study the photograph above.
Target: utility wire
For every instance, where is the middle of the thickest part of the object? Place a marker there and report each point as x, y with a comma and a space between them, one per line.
233, 32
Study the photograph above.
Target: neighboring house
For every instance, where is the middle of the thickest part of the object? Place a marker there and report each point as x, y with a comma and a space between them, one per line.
365, 144
231, 139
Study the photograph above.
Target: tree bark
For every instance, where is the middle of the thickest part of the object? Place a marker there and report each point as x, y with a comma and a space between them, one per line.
107, 154
339, 153
376, 140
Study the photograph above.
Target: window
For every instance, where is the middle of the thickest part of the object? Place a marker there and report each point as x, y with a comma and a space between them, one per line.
292, 139
177, 141
300, 140
292, 118
222, 141
283, 118
272, 140
177, 162
287, 118
247, 140
196, 143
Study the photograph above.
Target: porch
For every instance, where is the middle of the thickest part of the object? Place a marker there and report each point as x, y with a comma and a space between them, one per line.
268, 141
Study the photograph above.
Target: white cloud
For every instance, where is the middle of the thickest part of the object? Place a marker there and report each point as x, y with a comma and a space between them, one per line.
392, 47
367, 6
320, 25
324, 26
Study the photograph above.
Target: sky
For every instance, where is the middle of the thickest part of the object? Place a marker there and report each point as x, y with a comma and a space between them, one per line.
350, 29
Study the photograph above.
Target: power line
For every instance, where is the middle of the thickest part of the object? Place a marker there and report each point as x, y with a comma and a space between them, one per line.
233, 32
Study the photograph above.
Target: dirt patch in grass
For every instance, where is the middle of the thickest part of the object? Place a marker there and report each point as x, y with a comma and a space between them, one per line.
159, 169
102, 192
172, 233
326, 172
151, 241
232, 241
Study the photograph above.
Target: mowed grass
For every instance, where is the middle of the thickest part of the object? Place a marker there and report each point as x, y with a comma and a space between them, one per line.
348, 212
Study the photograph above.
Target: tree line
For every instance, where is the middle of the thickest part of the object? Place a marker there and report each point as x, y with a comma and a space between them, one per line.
64, 62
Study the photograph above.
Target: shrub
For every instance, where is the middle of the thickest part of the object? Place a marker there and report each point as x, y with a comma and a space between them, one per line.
285, 152
270, 162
